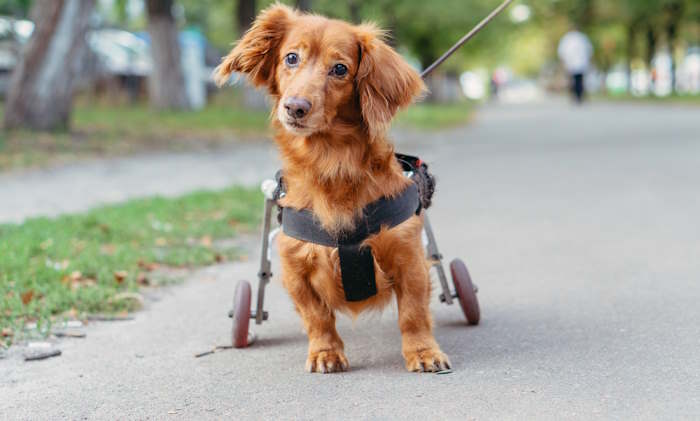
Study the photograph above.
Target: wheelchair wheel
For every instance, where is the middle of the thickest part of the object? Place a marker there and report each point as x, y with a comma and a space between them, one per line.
466, 292
241, 315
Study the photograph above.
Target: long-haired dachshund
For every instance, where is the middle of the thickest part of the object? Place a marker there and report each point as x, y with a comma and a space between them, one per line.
335, 89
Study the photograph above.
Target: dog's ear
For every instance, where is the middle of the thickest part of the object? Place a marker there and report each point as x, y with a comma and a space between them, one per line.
384, 81
256, 53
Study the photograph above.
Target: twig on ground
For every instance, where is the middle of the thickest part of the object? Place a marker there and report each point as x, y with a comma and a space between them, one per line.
41, 354
213, 350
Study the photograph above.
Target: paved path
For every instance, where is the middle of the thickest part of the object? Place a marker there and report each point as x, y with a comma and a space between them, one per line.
581, 229
78, 187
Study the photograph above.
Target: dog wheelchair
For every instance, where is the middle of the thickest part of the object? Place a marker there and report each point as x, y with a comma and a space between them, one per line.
464, 290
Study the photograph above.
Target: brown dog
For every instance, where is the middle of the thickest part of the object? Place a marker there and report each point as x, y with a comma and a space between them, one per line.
336, 88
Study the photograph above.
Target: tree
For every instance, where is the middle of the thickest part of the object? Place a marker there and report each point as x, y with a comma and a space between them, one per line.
17, 8
246, 15
42, 85
167, 83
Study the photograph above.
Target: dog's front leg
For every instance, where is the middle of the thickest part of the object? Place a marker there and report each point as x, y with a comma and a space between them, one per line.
419, 348
325, 346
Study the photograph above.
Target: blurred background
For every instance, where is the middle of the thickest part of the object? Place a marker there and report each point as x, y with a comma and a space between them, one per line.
112, 63
565, 141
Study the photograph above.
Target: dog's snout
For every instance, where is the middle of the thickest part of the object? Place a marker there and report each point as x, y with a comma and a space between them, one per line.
297, 107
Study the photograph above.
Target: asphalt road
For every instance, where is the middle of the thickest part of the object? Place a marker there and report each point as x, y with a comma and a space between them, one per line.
580, 227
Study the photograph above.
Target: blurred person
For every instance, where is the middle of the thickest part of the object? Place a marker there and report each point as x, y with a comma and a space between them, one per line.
575, 51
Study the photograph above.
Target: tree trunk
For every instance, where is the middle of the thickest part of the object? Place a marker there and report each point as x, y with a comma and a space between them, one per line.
631, 40
167, 83
651, 45
246, 15
672, 36
675, 12
41, 89
354, 6
303, 5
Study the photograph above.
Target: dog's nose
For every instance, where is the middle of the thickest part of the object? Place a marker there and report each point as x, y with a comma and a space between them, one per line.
297, 107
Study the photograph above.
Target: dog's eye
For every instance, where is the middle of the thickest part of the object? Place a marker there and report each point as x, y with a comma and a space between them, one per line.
291, 59
339, 70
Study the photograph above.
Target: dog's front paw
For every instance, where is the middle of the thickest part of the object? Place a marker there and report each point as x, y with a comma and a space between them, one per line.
427, 360
327, 361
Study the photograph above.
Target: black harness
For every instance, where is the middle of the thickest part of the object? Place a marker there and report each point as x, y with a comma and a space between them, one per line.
356, 262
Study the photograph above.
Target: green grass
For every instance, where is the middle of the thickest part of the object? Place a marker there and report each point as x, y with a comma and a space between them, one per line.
73, 265
140, 121
105, 130
428, 116
99, 129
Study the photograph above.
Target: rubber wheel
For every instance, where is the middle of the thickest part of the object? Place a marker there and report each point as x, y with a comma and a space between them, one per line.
466, 293
241, 314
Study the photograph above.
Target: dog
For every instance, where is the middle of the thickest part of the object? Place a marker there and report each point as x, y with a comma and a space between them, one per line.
335, 88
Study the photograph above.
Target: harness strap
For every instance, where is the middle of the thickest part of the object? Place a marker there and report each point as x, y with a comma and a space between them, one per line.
385, 212
356, 262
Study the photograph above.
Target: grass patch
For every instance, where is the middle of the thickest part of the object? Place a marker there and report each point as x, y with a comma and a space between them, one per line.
100, 129
428, 116
75, 265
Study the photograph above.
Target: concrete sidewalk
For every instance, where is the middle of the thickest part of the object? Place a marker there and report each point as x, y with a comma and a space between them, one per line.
580, 227
84, 185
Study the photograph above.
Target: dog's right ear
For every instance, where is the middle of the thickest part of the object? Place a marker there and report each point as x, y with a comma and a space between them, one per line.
256, 54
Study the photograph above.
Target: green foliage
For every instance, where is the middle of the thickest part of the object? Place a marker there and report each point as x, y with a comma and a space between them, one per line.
215, 18
102, 129
435, 116
16, 8
79, 263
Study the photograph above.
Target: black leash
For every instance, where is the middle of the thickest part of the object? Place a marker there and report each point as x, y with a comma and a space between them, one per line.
466, 38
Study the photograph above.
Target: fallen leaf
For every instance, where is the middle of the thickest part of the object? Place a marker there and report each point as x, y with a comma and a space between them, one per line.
218, 258
78, 245
6, 332
205, 241
76, 276
87, 282
72, 313
129, 296
141, 279
148, 266
120, 276
160, 241
27, 296
107, 249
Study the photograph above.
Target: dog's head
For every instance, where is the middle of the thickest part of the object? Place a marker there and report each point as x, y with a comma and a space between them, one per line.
323, 73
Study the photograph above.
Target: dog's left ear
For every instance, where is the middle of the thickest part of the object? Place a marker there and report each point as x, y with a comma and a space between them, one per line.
384, 81
256, 53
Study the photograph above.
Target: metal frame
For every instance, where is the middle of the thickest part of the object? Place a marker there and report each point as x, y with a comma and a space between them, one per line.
265, 272
433, 253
